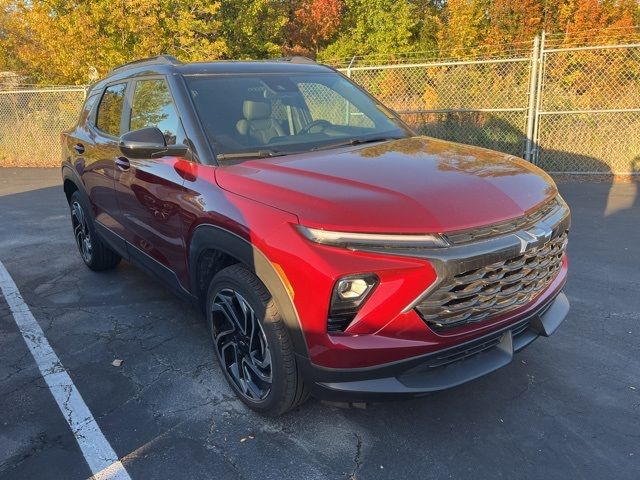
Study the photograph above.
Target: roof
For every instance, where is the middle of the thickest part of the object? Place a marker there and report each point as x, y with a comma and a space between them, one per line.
260, 66
168, 63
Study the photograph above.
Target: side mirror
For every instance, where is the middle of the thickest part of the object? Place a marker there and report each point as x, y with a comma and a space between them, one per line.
149, 143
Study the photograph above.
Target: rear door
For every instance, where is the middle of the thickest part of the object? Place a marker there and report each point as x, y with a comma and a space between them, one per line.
96, 149
149, 190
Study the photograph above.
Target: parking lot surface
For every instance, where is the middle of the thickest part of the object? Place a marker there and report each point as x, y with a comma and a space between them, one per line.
566, 407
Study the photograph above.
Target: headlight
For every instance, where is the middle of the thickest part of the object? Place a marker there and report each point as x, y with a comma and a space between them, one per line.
383, 240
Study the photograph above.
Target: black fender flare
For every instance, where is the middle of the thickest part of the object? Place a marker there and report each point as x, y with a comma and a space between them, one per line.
70, 174
208, 236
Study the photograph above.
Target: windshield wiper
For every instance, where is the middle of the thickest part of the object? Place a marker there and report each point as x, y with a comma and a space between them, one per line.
266, 153
357, 141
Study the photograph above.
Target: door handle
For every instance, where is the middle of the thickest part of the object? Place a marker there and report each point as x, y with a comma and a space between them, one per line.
79, 148
122, 163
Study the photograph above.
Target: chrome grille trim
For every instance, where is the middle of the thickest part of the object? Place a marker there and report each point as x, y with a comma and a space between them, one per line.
477, 294
464, 258
525, 222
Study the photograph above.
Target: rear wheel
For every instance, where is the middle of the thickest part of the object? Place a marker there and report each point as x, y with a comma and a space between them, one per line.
95, 254
252, 343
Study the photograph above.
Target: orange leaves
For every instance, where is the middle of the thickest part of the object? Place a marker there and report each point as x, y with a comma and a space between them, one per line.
315, 22
52, 42
57, 41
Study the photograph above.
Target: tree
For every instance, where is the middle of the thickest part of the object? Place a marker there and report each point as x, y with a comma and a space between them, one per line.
4, 16
375, 26
514, 22
588, 20
61, 42
465, 26
430, 23
315, 23
255, 28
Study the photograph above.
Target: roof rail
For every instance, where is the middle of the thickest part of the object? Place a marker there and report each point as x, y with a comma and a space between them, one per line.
158, 60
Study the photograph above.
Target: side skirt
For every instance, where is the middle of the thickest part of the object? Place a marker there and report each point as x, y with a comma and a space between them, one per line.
145, 262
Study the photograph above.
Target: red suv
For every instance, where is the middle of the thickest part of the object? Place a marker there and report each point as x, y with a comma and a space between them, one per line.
335, 252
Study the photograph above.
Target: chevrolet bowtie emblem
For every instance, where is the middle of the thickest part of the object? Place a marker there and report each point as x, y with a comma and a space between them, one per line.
533, 237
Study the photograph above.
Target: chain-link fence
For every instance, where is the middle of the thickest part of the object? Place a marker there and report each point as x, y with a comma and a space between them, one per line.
432, 102
570, 109
588, 110
480, 102
31, 120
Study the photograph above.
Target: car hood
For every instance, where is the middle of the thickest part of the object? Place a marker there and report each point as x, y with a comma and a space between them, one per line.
410, 185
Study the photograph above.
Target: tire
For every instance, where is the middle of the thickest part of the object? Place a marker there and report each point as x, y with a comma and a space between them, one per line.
94, 252
270, 391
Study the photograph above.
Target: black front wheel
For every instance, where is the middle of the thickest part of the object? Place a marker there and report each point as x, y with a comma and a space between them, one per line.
96, 255
241, 344
251, 342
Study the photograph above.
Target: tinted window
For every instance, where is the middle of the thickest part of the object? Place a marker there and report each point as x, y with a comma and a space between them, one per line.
89, 103
110, 109
152, 106
287, 113
327, 104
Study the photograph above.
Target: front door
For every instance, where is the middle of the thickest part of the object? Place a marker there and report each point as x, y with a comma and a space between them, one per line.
148, 190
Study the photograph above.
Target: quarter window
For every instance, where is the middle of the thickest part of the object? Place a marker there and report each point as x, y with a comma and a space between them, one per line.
153, 106
110, 109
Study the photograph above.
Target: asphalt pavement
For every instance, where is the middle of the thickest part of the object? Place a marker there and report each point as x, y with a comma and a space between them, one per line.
566, 407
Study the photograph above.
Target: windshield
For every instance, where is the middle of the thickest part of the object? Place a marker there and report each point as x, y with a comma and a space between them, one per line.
261, 115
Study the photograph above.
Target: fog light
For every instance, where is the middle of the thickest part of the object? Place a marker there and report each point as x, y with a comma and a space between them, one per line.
349, 293
350, 289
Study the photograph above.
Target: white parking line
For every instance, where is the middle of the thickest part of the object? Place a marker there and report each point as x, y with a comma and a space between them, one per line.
102, 460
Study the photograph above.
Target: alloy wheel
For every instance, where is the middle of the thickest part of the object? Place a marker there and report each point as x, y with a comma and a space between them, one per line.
81, 231
241, 344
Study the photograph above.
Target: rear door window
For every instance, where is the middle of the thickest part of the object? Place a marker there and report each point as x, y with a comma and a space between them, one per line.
110, 109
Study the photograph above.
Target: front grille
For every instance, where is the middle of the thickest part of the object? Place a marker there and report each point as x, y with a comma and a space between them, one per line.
461, 237
477, 294
470, 349
456, 355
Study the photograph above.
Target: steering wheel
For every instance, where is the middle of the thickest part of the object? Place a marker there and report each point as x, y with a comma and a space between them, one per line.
324, 124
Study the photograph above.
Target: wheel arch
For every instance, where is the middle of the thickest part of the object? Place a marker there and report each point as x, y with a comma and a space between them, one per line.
69, 187
71, 182
208, 238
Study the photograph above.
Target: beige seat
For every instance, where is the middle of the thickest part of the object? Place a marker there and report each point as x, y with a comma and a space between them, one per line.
257, 124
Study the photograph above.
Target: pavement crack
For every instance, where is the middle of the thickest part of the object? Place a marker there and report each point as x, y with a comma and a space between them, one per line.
38, 444
357, 459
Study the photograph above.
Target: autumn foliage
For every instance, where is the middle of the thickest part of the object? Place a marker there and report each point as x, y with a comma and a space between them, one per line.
315, 22
59, 41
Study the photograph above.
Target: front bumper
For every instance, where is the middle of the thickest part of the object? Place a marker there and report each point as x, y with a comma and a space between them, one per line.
438, 370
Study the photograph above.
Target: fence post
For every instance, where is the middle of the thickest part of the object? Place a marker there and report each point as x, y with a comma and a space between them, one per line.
539, 94
531, 108
347, 105
353, 59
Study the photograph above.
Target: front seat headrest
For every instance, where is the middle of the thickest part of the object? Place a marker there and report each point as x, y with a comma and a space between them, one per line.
256, 109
